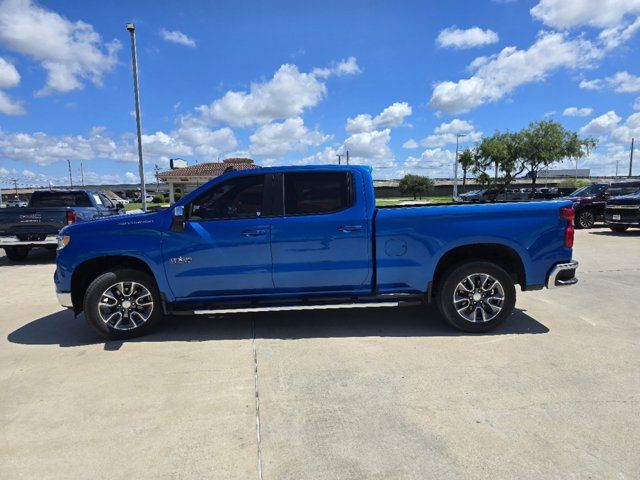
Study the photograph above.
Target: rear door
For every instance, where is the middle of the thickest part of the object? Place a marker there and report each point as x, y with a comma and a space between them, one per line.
321, 241
224, 248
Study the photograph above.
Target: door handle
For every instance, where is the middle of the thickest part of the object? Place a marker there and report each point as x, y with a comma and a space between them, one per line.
254, 233
350, 228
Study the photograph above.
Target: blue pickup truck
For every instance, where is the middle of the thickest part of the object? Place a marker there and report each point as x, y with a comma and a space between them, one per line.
296, 238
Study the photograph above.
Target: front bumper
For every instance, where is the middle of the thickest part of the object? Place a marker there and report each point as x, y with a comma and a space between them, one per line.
563, 275
64, 299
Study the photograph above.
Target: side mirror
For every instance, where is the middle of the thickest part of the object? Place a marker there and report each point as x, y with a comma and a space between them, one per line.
119, 206
178, 219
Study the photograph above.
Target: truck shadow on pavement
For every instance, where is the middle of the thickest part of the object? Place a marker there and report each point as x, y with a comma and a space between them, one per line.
61, 328
610, 233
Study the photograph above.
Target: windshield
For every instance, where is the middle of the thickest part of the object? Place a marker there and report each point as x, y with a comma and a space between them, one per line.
589, 190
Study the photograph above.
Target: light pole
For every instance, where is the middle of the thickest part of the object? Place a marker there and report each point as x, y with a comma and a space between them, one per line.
455, 167
70, 177
132, 31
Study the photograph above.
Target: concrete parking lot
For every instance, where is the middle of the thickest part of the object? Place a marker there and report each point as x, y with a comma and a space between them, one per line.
555, 393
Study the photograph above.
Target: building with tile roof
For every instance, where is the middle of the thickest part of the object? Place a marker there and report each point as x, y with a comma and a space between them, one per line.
184, 180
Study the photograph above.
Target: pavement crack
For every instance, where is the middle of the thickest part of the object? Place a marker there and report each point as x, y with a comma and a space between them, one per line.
257, 397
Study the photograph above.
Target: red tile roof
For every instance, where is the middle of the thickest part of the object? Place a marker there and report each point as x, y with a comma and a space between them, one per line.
209, 170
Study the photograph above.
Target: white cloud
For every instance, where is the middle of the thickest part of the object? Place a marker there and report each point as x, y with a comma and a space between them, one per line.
630, 129
636, 105
276, 139
595, 84
9, 78
575, 13
392, 116
577, 112
445, 134
605, 123
409, 144
70, 52
178, 37
286, 95
342, 68
434, 162
131, 177
624, 82
371, 148
615, 36
621, 82
500, 74
472, 37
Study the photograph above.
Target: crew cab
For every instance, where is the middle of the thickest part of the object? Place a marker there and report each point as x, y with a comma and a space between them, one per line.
48, 211
297, 238
623, 212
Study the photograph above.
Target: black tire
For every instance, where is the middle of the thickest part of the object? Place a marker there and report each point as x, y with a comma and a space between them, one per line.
17, 254
585, 219
449, 287
94, 295
618, 228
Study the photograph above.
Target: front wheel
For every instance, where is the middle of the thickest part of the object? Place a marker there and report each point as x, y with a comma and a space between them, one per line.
476, 296
17, 254
123, 303
585, 219
618, 228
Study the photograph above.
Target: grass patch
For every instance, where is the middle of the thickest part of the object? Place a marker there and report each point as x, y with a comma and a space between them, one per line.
138, 206
389, 202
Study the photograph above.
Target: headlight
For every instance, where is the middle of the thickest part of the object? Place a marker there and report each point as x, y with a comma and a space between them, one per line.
63, 241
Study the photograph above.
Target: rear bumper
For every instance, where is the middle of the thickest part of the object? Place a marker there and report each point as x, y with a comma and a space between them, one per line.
64, 299
563, 275
626, 215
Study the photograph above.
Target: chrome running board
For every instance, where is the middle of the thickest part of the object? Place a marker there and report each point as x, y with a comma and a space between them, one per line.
287, 308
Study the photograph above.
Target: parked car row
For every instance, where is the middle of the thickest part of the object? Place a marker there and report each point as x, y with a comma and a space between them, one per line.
48, 211
512, 194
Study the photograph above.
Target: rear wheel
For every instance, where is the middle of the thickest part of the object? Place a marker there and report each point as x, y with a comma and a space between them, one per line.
16, 254
618, 228
586, 219
123, 303
476, 296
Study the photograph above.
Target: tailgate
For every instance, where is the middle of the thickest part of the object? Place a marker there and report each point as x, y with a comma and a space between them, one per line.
32, 221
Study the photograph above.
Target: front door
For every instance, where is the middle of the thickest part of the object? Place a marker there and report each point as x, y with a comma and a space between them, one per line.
321, 243
224, 248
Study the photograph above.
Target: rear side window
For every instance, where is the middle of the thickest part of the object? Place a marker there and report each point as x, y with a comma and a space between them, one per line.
240, 197
60, 199
312, 193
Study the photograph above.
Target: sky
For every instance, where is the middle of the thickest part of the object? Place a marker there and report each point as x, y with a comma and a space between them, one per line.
289, 82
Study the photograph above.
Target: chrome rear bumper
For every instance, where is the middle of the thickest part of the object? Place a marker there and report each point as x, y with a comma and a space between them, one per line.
64, 299
563, 275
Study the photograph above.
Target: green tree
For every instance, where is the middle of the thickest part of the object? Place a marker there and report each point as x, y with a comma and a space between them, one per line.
415, 185
499, 153
466, 160
547, 142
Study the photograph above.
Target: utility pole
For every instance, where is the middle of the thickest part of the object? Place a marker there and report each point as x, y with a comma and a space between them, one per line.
15, 186
157, 172
339, 158
455, 166
134, 63
81, 173
70, 177
347, 157
617, 168
631, 159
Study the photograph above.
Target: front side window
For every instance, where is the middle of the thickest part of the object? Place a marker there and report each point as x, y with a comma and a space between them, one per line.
313, 193
240, 197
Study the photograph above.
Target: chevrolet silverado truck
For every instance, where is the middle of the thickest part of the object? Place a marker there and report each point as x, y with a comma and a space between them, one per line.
623, 212
38, 224
299, 238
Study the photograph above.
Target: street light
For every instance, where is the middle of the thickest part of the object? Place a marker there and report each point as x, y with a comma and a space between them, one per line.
455, 168
143, 190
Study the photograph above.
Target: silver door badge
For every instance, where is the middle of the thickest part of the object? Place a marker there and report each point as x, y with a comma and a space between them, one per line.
180, 260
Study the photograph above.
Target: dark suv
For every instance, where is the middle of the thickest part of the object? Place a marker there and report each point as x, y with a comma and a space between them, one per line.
589, 201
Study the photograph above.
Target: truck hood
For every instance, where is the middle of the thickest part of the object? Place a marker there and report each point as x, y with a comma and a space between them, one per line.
110, 223
633, 199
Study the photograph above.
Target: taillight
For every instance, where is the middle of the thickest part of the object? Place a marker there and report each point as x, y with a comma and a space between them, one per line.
568, 214
71, 217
